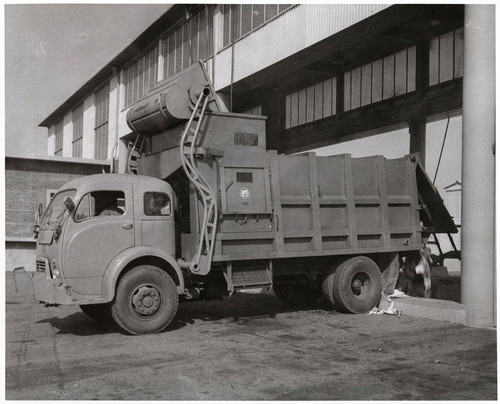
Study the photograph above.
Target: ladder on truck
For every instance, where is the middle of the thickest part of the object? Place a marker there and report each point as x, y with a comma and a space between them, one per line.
134, 154
202, 260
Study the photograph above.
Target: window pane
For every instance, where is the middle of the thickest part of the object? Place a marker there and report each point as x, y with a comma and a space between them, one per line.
246, 18
347, 91
271, 11
283, 7
226, 10
446, 57
434, 61
318, 101
327, 98
356, 88
156, 204
366, 84
388, 89
194, 38
400, 76
288, 101
377, 80
210, 39
236, 13
178, 50
185, 45
310, 104
412, 67
171, 54
258, 15
459, 53
294, 109
203, 35
302, 106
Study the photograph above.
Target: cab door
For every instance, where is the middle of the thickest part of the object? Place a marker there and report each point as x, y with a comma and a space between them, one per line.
95, 234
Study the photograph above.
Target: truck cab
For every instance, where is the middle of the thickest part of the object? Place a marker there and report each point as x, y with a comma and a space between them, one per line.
97, 227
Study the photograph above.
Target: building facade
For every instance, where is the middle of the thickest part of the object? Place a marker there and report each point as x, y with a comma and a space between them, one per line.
322, 74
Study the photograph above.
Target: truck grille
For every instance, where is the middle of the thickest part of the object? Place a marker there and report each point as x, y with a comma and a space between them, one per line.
41, 264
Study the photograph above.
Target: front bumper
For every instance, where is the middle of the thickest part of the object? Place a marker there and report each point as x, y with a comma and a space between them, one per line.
50, 291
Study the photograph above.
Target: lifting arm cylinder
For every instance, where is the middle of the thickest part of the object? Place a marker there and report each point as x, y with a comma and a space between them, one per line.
171, 102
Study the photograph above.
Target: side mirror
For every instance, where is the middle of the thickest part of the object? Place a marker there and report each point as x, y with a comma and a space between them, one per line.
70, 205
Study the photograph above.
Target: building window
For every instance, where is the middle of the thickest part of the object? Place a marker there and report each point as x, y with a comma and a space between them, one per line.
141, 76
101, 123
446, 57
379, 80
240, 19
311, 103
77, 118
59, 138
189, 43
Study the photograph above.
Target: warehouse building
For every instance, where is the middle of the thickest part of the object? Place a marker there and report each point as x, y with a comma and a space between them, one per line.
322, 74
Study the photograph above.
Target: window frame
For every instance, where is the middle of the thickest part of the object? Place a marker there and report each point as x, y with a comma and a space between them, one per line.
144, 204
88, 194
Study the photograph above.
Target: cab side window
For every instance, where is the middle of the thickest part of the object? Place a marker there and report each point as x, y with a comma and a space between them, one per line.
156, 204
101, 203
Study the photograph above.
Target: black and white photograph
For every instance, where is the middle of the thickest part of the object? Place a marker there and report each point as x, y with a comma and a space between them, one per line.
258, 202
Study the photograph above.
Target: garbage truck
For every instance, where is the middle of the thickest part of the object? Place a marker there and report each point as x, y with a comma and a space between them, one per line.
206, 210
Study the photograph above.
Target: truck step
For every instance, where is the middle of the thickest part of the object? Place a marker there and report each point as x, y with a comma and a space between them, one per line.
251, 277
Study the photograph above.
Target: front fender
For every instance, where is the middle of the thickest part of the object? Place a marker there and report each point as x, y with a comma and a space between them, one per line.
120, 262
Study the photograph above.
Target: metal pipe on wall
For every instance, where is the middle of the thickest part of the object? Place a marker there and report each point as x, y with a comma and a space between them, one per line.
478, 166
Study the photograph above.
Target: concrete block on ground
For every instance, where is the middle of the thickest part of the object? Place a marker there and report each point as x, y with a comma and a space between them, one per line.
434, 309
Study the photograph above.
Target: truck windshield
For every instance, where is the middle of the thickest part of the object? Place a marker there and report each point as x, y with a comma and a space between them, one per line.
54, 212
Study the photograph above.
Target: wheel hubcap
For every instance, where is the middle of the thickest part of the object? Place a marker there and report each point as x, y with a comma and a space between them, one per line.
146, 300
361, 285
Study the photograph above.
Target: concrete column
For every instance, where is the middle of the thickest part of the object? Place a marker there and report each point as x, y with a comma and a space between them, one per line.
88, 127
51, 140
274, 108
68, 135
417, 138
114, 102
478, 166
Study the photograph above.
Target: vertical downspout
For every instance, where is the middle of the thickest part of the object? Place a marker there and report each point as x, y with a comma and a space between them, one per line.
116, 71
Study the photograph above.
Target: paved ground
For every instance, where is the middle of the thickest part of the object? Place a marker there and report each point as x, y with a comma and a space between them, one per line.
250, 347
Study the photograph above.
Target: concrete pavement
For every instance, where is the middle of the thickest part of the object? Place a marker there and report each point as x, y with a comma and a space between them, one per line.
249, 347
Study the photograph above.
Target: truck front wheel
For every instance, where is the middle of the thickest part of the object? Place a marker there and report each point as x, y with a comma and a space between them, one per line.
355, 286
146, 300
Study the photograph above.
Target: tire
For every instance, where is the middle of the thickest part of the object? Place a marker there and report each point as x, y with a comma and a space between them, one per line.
355, 286
146, 300
296, 295
99, 312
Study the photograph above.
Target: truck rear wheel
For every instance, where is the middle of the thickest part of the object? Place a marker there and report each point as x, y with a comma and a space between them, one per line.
355, 286
146, 300
99, 312
296, 295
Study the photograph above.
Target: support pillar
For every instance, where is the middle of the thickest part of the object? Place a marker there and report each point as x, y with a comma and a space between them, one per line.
417, 138
274, 108
478, 166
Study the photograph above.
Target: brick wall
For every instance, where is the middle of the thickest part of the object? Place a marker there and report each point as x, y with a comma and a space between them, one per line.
26, 184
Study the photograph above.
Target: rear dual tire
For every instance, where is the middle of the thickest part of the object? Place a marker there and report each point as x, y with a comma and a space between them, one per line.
354, 286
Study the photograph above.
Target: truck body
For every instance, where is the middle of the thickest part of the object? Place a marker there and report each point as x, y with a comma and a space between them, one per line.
213, 212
